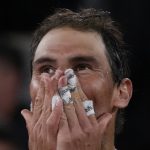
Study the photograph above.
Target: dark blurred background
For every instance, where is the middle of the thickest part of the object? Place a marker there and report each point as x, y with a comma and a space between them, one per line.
19, 18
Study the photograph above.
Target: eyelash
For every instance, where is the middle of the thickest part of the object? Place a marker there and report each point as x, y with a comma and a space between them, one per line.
82, 67
46, 69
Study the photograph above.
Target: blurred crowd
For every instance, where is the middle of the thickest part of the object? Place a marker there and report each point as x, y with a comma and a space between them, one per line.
13, 133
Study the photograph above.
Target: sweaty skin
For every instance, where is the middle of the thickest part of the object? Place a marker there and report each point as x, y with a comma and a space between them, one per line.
65, 48
85, 53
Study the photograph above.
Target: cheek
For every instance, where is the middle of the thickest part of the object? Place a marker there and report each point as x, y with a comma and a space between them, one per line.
100, 91
89, 87
34, 86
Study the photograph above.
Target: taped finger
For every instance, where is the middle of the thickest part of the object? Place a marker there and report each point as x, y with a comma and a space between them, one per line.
55, 99
88, 107
71, 79
65, 95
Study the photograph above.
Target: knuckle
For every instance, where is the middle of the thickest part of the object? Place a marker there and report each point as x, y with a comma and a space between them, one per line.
46, 113
50, 125
66, 141
35, 130
40, 137
69, 107
54, 81
88, 130
37, 134
38, 102
78, 137
48, 84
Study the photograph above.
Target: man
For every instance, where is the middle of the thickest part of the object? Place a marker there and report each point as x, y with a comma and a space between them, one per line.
89, 43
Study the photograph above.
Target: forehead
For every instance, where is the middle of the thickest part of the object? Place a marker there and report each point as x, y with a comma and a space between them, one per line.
68, 42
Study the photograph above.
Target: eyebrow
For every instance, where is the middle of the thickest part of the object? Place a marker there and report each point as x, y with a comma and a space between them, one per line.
83, 59
44, 60
73, 59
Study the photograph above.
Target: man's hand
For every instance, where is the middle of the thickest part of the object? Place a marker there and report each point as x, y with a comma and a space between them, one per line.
77, 131
67, 126
42, 123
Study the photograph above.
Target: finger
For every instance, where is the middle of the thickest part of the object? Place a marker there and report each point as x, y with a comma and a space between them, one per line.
38, 103
64, 130
27, 115
47, 117
68, 105
50, 89
88, 108
78, 104
80, 91
54, 118
64, 90
103, 122
77, 98
57, 74
71, 79
55, 79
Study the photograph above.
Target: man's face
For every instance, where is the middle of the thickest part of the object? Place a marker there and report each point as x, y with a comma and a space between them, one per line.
85, 53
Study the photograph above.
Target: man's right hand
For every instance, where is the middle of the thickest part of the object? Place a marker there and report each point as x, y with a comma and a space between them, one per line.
43, 123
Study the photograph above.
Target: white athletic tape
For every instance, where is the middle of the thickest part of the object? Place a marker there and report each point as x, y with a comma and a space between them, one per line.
65, 95
72, 79
88, 107
55, 100
31, 107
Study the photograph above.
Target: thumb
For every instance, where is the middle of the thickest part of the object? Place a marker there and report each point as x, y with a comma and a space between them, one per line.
27, 115
103, 121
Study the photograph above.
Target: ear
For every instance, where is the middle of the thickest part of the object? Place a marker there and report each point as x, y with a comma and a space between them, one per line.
123, 94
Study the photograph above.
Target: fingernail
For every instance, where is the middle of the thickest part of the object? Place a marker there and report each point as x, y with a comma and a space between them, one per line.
58, 74
44, 75
59, 102
71, 77
56, 101
62, 82
68, 71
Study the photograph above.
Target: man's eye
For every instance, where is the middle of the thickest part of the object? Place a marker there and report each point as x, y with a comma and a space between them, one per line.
82, 67
48, 69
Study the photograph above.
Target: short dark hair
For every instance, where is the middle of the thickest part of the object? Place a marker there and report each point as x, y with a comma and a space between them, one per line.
90, 20
95, 21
